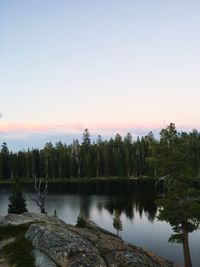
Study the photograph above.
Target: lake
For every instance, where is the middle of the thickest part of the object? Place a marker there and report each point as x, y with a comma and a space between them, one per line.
138, 215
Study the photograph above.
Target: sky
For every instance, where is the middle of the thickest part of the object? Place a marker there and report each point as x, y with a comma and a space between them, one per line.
107, 65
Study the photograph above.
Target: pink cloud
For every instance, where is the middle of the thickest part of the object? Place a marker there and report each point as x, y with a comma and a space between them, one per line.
102, 128
71, 128
37, 127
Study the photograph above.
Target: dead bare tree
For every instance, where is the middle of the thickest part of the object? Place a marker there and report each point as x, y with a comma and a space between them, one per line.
41, 194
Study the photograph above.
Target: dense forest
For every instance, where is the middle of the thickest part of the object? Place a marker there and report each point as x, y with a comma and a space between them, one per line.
117, 157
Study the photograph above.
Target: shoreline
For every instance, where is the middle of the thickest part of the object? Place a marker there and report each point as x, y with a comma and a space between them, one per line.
76, 180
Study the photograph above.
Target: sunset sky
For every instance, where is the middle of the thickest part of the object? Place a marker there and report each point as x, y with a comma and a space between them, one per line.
108, 65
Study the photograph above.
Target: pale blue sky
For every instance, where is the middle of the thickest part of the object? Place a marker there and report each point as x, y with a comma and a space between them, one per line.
109, 65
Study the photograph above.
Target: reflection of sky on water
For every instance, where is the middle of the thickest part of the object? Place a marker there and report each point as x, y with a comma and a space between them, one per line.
140, 225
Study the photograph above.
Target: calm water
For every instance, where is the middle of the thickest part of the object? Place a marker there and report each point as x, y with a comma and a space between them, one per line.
138, 214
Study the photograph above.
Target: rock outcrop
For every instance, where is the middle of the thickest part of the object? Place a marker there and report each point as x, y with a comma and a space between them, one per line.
58, 244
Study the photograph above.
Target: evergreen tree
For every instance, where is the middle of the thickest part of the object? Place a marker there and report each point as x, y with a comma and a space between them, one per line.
17, 203
5, 162
86, 159
181, 210
86, 138
180, 206
117, 223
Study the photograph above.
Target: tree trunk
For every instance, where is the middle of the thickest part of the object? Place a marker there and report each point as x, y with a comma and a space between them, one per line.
186, 249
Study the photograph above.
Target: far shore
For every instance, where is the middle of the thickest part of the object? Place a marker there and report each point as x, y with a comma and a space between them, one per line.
75, 180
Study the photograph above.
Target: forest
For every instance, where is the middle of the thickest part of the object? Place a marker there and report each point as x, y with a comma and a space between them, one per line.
117, 157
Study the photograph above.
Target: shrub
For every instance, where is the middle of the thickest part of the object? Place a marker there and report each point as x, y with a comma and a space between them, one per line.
81, 222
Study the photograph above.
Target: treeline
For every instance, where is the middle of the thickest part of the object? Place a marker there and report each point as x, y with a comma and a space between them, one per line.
121, 157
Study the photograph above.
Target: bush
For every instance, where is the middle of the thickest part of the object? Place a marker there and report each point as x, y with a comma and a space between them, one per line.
81, 222
19, 252
13, 230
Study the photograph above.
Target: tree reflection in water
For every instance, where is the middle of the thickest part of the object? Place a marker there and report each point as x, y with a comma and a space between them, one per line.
140, 202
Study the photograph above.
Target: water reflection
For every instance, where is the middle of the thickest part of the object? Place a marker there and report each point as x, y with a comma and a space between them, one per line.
85, 205
131, 204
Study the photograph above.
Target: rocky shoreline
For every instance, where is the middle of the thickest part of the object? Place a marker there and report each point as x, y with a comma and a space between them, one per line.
57, 244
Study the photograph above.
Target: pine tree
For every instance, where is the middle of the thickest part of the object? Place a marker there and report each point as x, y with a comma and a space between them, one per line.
181, 210
117, 223
5, 162
180, 207
17, 203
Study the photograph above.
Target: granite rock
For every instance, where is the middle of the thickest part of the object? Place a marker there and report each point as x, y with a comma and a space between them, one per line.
65, 245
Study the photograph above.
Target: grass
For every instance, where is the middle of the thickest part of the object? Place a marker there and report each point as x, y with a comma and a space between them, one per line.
13, 230
19, 251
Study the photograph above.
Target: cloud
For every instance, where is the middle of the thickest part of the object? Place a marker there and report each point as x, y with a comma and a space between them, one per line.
37, 127
108, 128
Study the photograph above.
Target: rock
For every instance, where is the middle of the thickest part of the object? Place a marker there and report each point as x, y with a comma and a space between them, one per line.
42, 260
17, 219
66, 245
63, 245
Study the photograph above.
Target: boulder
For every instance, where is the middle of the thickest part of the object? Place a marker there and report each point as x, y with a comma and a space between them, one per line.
17, 219
61, 244
42, 260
